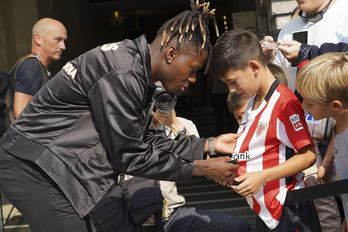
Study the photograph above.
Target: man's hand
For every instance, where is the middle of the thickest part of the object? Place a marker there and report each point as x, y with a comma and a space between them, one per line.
229, 180
290, 50
215, 168
224, 143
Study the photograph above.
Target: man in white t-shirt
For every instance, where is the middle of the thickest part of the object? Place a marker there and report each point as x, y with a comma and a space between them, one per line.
332, 28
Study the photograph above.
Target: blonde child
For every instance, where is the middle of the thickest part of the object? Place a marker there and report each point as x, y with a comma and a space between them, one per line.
323, 84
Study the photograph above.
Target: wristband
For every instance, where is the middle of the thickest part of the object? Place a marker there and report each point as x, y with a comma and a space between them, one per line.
211, 146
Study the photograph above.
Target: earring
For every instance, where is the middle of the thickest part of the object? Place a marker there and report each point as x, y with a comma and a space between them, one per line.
169, 61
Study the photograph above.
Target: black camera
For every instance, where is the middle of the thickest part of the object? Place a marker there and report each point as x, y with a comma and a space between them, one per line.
165, 102
162, 101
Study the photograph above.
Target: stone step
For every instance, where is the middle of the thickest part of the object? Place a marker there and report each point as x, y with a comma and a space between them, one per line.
206, 194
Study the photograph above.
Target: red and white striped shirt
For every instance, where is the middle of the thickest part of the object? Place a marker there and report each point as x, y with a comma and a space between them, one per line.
271, 135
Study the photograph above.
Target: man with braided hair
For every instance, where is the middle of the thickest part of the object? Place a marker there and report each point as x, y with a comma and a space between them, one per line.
84, 127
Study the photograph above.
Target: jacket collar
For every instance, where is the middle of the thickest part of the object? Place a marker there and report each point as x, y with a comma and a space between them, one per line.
144, 50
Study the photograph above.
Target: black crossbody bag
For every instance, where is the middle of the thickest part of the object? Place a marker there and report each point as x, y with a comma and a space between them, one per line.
128, 205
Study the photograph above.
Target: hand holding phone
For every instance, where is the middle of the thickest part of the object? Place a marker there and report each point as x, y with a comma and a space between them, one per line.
300, 36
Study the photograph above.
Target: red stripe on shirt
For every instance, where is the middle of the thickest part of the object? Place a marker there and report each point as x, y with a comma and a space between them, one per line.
271, 159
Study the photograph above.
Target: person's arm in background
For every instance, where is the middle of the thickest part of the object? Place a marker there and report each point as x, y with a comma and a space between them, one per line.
296, 52
170, 120
174, 124
269, 48
27, 82
290, 50
20, 101
325, 167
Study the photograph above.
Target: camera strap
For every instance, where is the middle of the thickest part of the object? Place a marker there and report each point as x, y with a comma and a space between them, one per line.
149, 116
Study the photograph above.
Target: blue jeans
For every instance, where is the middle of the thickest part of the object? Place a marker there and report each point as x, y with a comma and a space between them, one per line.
192, 219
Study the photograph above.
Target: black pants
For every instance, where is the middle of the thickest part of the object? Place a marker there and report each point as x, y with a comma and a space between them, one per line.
299, 217
37, 197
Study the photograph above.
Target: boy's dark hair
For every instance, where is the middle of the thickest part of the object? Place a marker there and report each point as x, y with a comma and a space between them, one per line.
191, 27
235, 102
234, 50
278, 72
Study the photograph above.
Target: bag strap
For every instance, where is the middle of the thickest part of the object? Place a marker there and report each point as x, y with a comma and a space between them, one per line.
9, 98
158, 221
19, 63
327, 129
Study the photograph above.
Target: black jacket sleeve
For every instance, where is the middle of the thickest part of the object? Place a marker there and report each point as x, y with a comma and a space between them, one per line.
309, 52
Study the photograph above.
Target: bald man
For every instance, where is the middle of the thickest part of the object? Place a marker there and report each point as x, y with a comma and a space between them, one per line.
31, 72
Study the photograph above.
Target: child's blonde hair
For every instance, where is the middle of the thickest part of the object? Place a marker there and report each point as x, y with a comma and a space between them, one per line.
325, 78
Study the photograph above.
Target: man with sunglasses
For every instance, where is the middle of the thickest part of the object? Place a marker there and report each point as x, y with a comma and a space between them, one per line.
318, 22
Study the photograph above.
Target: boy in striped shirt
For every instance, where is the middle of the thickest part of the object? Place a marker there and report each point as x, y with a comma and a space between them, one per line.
275, 145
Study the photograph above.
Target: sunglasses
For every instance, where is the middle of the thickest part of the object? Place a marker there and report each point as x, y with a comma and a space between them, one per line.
314, 18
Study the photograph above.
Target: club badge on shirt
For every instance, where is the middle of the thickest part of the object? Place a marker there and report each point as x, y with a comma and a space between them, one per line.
261, 127
295, 120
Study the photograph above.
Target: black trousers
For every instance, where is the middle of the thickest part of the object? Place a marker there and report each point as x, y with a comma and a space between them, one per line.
37, 197
299, 217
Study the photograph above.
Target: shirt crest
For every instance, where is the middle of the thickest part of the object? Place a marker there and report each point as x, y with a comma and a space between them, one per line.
261, 127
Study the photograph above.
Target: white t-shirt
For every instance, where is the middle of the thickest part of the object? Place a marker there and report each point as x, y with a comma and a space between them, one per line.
332, 28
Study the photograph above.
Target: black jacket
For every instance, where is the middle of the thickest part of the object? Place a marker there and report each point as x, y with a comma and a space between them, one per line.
84, 126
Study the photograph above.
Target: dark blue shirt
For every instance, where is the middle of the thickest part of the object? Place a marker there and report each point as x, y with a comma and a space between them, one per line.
28, 78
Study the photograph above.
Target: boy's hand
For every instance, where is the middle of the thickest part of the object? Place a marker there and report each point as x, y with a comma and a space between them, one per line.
323, 174
251, 184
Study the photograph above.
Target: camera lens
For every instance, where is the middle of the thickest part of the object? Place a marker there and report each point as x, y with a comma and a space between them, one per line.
165, 102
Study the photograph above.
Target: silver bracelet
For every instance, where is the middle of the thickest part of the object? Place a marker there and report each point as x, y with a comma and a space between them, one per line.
263, 182
211, 146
